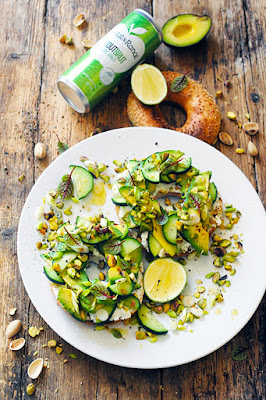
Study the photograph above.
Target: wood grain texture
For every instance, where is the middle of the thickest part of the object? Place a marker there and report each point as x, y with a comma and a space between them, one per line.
31, 110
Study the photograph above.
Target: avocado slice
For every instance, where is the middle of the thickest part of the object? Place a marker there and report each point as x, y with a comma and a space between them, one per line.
186, 30
158, 235
68, 300
197, 237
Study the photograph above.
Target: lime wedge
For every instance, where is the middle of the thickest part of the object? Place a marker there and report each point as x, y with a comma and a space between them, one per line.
148, 84
164, 280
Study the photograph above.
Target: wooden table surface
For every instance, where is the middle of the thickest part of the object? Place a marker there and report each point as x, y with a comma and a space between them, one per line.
33, 111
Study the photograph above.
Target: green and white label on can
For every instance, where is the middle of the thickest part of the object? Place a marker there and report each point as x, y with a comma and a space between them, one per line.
98, 71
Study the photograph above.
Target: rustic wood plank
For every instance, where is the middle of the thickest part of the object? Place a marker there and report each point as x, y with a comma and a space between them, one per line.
233, 51
21, 56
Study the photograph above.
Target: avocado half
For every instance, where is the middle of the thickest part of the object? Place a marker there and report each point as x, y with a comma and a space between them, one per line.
186, 29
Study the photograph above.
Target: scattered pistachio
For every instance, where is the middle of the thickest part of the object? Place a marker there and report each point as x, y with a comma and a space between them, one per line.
197, 295
40, 151
35, 353
115, 90
117, 163
226, 138
231, 115
251, 128
13, 311
17, 344
79, 20
166, 307
35, 368
67, 211
141, 335
21, 177
58, 349
247, 116
220, 298
239, 125
218, 94
104, 177
30, 389
13, 328
201, 289
216, 277
63, 38
52, 343
252, 149
33, 331
69, 41
101, 276
219, 79
208, 276
72, 356
240, 151
87, 43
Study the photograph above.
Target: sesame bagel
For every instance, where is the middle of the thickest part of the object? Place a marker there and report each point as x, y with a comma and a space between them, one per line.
138, 293
203, 116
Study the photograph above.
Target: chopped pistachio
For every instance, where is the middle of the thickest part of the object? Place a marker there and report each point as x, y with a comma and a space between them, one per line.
240, 151
104, 177
72, 356
33, 331
216, 277
141, 335
197, 295
172, 314
63, 38
39, 245
69, 40
52, 343
102, 167
232, 272
117, 163
201, 289
58, 349
21, 177
219, 94
67, 211
30, 389
75, 200
247, 116
231, 115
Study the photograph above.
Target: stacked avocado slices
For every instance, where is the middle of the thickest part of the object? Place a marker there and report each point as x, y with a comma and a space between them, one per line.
189, 221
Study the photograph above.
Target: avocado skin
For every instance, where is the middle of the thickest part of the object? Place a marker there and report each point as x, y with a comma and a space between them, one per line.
174, 46
200, 242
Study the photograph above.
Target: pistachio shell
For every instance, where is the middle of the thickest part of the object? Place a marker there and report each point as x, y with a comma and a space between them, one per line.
251, 128
79, 19
17, 344
87, 43
252, 149
13, 328
225, 138
35, 368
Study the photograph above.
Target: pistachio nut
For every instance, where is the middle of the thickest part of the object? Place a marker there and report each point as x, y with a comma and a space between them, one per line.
13, 328
252, 149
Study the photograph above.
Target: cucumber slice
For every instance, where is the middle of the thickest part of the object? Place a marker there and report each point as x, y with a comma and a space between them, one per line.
213, 192
97, 239
149, 322
83, 180
88, 303
170, 230
132, 248
104, 313
122, 288
82, 223
132, 164
67, 258
119, 201
52, 275
179, 167
154, 245
136, 178
150, 169
132, 302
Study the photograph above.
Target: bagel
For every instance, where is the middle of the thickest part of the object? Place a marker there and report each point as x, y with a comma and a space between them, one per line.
139, 293
203, 116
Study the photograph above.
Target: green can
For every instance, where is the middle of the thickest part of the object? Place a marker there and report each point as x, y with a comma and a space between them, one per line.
109, 61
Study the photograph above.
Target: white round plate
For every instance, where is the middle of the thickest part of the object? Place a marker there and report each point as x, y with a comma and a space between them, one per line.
177, 347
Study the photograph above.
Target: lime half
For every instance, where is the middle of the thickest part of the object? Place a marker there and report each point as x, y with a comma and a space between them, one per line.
164, 280
148, 84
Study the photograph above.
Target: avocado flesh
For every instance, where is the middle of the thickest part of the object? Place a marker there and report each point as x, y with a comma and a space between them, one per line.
197, 237
185, 30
